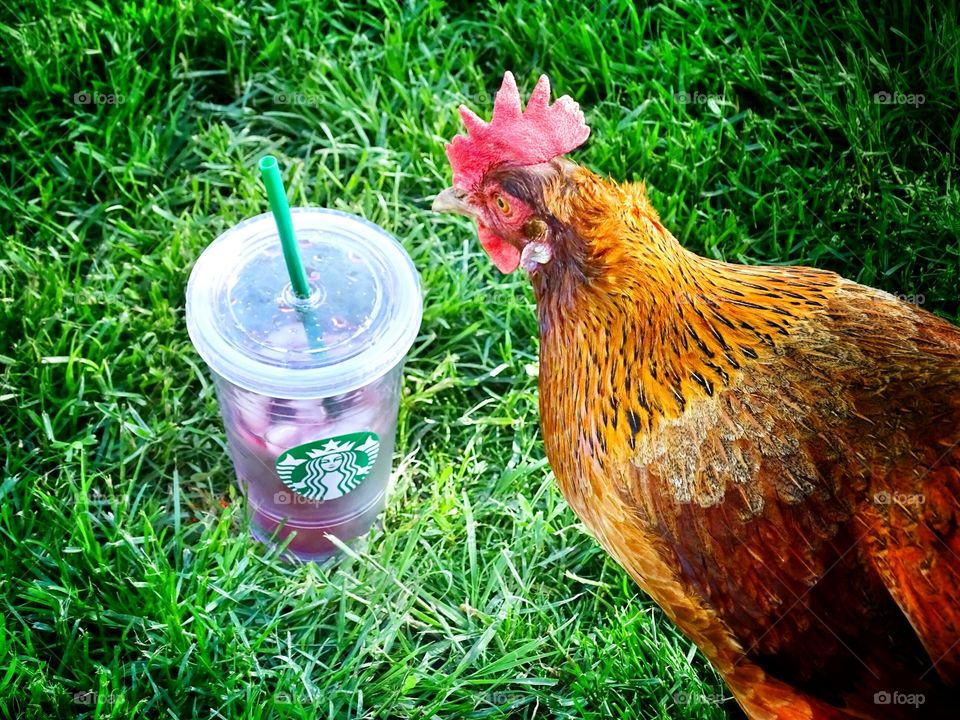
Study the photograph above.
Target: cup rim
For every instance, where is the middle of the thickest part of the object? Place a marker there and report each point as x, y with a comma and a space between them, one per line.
207, 329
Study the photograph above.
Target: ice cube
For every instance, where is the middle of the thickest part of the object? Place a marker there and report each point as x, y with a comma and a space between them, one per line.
254, 411
285, 436
309, 411
281, 438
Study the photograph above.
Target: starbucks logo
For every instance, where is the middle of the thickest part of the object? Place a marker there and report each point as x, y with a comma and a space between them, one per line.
329, 468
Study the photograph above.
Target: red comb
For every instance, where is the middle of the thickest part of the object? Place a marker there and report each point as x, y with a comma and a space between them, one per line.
514, 137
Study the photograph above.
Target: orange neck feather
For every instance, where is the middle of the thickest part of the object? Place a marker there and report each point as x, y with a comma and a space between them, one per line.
668, 325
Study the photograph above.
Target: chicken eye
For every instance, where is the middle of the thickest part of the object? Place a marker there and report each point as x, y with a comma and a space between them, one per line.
503, 204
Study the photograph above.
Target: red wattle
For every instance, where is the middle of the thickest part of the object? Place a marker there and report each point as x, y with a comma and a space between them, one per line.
504, 255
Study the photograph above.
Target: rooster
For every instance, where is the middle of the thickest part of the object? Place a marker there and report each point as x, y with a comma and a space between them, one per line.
772, 453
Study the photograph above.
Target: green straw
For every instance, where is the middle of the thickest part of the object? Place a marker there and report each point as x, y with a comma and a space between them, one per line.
270, 172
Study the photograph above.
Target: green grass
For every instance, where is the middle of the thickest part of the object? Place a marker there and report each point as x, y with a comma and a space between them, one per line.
125, 569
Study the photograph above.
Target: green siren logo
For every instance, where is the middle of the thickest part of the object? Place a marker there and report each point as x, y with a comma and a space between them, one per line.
329, 468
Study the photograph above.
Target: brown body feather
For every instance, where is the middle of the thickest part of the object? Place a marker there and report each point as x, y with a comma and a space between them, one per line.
771, 452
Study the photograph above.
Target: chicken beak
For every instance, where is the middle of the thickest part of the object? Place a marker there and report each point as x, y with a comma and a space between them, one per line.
453, 200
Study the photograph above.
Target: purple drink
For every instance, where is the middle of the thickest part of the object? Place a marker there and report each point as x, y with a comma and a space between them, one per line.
309, 390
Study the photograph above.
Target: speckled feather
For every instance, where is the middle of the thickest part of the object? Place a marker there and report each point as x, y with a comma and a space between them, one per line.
752, 445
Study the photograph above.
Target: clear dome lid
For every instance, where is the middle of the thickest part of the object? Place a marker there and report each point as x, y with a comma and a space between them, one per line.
360, 320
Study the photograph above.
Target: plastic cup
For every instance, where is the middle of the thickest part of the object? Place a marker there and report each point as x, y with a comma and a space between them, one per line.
308, 388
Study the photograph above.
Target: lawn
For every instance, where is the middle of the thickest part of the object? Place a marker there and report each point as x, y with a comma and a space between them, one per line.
815, 133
